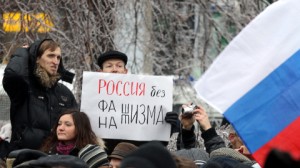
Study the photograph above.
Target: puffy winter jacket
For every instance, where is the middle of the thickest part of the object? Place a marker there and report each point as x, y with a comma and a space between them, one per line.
34, 108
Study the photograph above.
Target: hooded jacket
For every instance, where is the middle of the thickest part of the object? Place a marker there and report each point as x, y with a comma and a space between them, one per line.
34, 108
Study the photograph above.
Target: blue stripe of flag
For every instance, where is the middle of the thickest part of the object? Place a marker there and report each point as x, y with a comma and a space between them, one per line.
269, 107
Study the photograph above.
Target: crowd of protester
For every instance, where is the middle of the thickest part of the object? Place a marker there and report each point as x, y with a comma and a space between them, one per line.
47, 130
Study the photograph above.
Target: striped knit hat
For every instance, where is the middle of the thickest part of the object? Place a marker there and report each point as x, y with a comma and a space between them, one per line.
93, 155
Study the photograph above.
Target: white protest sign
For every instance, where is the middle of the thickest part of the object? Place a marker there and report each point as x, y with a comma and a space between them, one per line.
126, 106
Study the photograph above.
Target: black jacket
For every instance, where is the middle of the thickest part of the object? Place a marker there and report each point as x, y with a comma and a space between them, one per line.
186, 139
212, 140
34, 108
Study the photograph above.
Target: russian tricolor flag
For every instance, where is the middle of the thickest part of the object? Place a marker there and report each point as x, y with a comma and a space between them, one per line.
255, 81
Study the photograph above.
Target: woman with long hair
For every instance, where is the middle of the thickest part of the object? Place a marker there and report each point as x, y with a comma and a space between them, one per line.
73, 135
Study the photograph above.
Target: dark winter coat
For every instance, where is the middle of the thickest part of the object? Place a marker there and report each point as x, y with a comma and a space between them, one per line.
34, 108
186, 139
212, 140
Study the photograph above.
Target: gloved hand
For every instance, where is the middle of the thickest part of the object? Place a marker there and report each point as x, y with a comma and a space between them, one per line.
172, 118
65, 74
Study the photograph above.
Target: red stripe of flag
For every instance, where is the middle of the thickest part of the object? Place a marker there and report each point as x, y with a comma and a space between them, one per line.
283, 142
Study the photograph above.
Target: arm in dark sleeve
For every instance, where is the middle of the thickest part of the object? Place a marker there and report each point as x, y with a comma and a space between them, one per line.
15, 80
212, 140
175, 127
186, 139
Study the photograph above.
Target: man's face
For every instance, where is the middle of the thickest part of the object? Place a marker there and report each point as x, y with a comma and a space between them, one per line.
114, 66
235, 140
50, 60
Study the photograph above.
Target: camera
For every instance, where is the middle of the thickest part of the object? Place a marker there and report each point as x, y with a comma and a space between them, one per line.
189, 109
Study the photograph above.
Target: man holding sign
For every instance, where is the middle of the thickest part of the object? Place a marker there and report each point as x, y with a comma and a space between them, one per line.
113, 62
126, 108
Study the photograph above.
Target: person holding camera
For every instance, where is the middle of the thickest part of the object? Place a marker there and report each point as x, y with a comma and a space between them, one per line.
212, 140
214, 144
187, 138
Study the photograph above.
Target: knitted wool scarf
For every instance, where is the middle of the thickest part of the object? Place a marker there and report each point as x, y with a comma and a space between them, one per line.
64, 149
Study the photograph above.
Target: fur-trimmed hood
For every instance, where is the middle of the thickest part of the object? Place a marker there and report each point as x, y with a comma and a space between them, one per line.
33, 50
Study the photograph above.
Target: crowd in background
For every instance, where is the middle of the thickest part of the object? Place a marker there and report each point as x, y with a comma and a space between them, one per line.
48, 130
